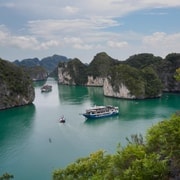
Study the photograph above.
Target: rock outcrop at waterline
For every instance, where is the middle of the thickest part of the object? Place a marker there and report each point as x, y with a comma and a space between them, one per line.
165, 68
16, 88
121, 92
118, 79
128, 82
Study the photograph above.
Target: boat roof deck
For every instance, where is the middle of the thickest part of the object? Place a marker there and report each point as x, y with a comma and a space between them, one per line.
95, 108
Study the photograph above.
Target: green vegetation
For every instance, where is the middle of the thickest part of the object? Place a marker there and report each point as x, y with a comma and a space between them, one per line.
16, 87
6, 176
177, 74
145, 75
100, 65
15, 77
36, 72
153, 85
77, 70
129, 76
173, 58
156, 158
143, 60
141, 83
48, 63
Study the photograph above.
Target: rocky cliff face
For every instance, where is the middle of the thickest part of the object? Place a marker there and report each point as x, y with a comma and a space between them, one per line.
98, 81
122, 92
64, 77
166, 71
37, 73
16, 88
165, 68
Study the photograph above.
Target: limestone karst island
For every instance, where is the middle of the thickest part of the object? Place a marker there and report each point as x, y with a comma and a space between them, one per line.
16, 87
141, 76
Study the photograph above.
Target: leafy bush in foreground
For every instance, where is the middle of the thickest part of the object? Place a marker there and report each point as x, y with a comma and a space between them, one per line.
157, 158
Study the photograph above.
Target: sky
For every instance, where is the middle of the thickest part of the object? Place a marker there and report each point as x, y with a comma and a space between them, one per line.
82, 28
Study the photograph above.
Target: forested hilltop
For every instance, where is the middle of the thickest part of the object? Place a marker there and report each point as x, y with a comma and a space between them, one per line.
140, 76
41, 69
155, 158
16, 88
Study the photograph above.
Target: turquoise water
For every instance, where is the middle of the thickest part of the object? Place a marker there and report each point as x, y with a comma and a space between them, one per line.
33, 143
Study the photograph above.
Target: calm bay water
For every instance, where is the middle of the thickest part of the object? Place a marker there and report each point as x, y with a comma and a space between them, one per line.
33, 143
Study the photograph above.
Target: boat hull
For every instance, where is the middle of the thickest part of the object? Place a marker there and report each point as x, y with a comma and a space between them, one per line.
46, 88
94, 116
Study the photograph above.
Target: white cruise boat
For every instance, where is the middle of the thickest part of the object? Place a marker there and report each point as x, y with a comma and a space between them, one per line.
101, 111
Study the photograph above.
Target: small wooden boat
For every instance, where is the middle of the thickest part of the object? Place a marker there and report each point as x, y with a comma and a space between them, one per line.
62, 119
46, 88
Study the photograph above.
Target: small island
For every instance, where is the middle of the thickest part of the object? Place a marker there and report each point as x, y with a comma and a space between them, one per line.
16, 87
141, 76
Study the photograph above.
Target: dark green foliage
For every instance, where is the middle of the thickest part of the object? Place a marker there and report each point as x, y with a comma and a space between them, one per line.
36, 72
173, 57
171, 62
143, 60
136, 139
129, 76
164, 138
92, 167
141, 83
158, 158
16, 87
153, 85
6, 176
145, 75
100, 65
15, 77
50, 63
177, 74
166, 71
133, 162
77, 70
164, 68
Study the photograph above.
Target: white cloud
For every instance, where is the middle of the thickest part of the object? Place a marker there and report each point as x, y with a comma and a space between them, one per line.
115, 44
49, 44
162, 38
83, 9
50, 26
155, 38
73, 40
77, 43
162, 43
82, 46
23, 42
71, 9
70, 26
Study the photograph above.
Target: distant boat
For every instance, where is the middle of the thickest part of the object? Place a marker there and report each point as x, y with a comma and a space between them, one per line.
101, 111
62, 119
46, 88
